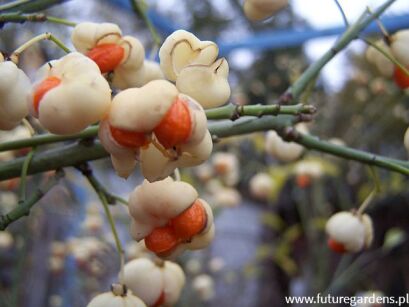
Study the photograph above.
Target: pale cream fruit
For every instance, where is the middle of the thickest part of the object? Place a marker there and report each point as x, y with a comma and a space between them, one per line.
142, 109
15, 95
406, 140
153, 204
383, 64
261, 186
1, 57
256, 10
134, 54
226, 166
118, 297
6, 241
226, 197
207, 84
123, 56
224, 163
399, 46
182, 49
350, 231
156, 166
87, 35
135, 250
312, 169
203, 285
126, 78
156, 283
282, 150
123, 158
82, 97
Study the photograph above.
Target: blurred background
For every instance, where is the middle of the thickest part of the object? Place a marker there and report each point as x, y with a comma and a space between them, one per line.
270, 214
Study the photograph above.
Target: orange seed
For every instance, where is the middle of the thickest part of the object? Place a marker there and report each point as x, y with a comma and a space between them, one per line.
107, 56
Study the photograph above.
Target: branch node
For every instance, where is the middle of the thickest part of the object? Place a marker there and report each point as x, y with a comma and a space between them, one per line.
285, 98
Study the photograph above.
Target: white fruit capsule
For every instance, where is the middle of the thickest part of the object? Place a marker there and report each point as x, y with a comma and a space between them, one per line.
125, 78
118, 297
70, 95
87, 35
159, 207
383, 64
399, 46
122, 56
203, 285
156, 283
6, 241
207, 84
155, 166
226, 197
349, 232
15, 95
153, 204
261, 186
256, 10
282, 150
182, 49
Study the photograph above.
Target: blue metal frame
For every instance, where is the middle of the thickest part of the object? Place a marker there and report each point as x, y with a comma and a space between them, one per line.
274, 39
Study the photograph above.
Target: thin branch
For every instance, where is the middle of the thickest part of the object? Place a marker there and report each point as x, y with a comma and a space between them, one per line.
234, 112
141, 11
293, 93
341, 10
25, 208
45, 36
227, 112
88, 151
102, 194
12, 4
29, 6
387, 55
21, 18
86, 170
23, 176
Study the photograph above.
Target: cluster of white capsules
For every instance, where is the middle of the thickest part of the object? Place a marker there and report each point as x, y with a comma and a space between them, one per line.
151, 120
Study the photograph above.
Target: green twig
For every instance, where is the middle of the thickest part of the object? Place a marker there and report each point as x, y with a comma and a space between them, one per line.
45, 36
25, 208
111, 199
12, 4
141, 11
341, 10
387, 55
20, 18
23, 176
293, 93
76, 154
227, 112
102, 194
29, 6
234, 112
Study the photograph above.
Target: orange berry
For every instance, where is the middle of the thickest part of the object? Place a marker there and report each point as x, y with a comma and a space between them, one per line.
42, 88
128, 138
176, 125
161, 240
190, 222
303, 181
336, 246
160, 301
107, 56
401, 78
